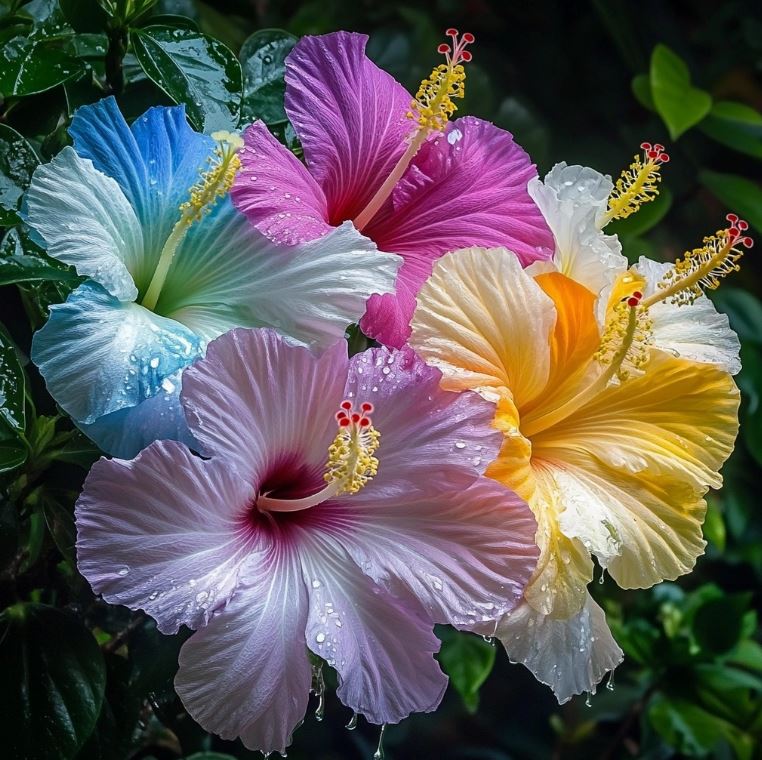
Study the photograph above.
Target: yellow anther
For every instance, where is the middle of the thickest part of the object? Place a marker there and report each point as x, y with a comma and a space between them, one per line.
637, 184
351, 463
433, 104
704, 267
217, 180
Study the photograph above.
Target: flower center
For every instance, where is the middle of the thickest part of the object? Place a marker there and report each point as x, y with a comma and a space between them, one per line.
351, 462
638, 184
431, 109
215, 182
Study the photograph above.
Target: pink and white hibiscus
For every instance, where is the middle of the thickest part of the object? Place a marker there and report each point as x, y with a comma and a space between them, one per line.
349, 540
411, 182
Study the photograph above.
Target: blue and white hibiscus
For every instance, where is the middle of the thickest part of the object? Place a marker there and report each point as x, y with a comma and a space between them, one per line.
143, 212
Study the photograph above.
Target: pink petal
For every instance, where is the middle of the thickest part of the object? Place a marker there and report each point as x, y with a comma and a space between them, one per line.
162, 533
247, 674
382, 647
350, 117
467, 188
276, 192
387, 317
430, 438
465, 555
254, 399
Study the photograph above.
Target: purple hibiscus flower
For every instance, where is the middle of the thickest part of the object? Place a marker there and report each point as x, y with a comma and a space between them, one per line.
342, 511
413, 183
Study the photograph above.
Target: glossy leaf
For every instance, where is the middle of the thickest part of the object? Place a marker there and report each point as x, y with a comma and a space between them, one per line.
17, 162
13, 450
53, 680
718, 623
262, 58
195, 70
736, 125
740, 195
678, 102
467, 659
30, 66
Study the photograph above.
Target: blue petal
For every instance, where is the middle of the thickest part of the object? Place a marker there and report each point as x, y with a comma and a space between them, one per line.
155, 162
126, 432
98, 354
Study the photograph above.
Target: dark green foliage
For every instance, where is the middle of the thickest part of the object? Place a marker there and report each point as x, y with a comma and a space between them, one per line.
583, 82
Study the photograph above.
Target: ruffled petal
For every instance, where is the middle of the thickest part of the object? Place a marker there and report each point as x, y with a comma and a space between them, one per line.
99, 355
155, 162
423, 428
276, 192
471, 322
163, 533
84, 220
246, 674
255, 399
696, 331
127, 431
570, 655
466, 555
350, 117
382, 647
467, 188
573, 200
636, 461
310, 292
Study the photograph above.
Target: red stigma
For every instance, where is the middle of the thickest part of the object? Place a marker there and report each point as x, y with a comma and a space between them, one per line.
633, 301
637, 294
735, 232
356, 417
459, 52
367, 407
469, 38
365, 422
347, 417
346, 405
466, 56
655, 152
451, 32
443, 48
344, 422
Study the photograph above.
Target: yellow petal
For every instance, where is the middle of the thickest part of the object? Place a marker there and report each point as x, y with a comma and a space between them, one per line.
558, 587
635, 463
485, 323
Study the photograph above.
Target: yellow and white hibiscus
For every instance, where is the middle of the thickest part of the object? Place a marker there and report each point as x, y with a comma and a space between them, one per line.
615, 397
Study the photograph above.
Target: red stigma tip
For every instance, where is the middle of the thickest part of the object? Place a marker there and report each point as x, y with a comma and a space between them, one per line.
468, 38
344, 422
341, 415
443, 48
356, 417
633, 301
637, 294
645, 145
465, 56
346, 405
364, 422
732, 218
451, 32
367, 407
654, 152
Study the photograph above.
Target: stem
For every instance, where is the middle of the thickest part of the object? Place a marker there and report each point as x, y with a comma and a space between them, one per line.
117, 49
383, 192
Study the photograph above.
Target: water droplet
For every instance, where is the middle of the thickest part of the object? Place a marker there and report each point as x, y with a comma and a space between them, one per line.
315, 583
123, 571
320, 638
588, 700
460, 445
610, 682
379, 753
352, 725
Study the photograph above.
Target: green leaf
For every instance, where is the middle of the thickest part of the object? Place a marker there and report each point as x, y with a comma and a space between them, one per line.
467, 659
29, 66
84, 15
60, 519
679, 104
53, 680
714, 525
22, 260
693, 731
718, 623
641, 89
263, 58
195, 70
736, 125
740, 195
13, 449
17, 162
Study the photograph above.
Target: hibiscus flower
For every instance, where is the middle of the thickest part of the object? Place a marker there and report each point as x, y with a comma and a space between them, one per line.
143, 212
342, 512
617, 410
413, 182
